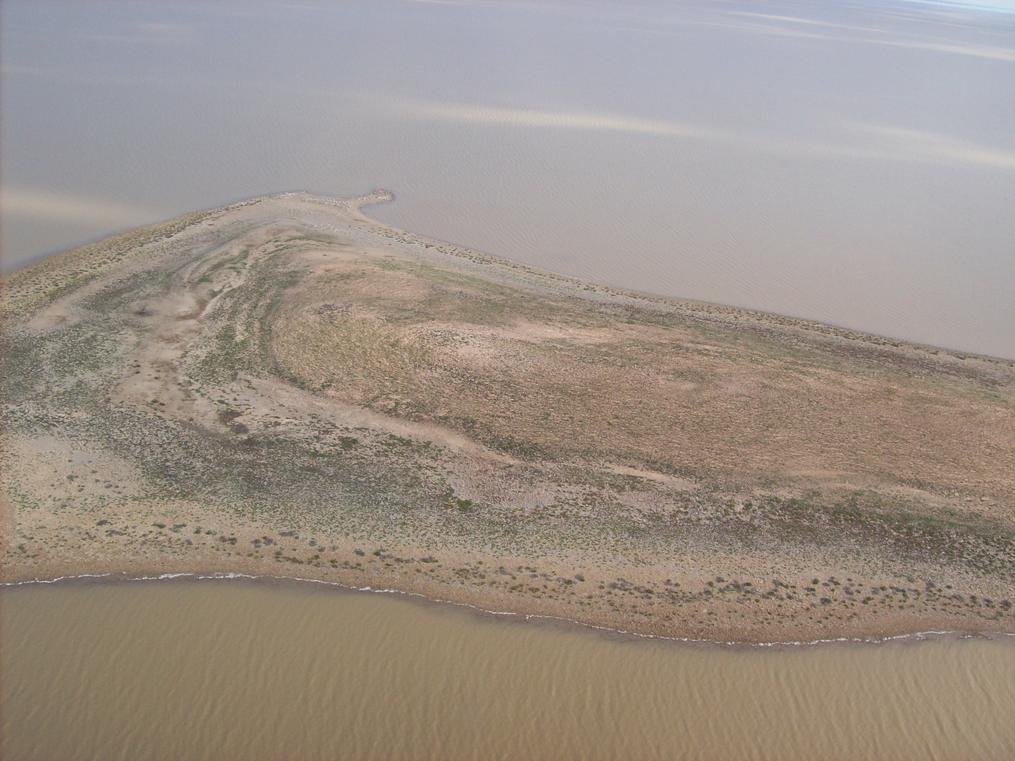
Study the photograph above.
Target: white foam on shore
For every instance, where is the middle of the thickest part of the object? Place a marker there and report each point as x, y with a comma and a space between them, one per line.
912, 636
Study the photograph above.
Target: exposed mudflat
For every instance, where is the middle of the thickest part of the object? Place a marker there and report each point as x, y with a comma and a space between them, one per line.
286, 387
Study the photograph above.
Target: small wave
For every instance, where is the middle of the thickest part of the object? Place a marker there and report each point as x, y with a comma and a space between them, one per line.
227, 575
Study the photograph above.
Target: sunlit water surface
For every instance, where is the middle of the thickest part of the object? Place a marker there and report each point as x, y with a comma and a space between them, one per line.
256, 670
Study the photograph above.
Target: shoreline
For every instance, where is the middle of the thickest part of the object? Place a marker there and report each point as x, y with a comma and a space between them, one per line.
382, 196
114, 578
611, 538
377, 198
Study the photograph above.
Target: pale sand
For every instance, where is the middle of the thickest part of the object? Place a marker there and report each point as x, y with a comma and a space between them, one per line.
330, 398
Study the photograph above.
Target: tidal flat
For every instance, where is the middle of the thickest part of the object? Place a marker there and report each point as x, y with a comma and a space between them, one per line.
287, 387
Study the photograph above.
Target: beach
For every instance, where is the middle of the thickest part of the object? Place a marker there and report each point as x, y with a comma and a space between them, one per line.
285, 387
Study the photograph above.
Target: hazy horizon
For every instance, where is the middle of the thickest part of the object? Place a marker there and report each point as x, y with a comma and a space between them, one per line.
851, 163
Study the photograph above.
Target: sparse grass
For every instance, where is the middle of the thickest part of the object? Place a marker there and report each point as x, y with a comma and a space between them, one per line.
363, 399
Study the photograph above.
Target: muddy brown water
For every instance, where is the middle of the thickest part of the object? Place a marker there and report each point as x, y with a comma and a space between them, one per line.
845, 161
269, 670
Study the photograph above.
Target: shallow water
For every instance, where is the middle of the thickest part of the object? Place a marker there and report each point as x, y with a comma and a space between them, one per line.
850, 162
270, 670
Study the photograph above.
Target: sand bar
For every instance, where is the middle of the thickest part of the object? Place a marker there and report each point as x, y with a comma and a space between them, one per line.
287, 387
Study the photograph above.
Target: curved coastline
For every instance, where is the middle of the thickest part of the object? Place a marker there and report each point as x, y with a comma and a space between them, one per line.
116, 578
503, 273
382, 196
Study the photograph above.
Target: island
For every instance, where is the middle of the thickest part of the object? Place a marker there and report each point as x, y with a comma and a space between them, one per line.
284, 387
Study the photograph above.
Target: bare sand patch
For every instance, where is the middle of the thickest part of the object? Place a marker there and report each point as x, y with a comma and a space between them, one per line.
285, 386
